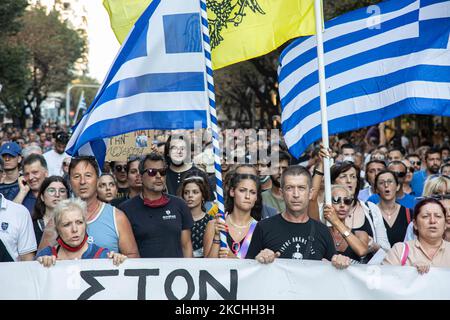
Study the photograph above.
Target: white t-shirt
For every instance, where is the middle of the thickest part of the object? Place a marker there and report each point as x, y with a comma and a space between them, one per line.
16, 229
54, 162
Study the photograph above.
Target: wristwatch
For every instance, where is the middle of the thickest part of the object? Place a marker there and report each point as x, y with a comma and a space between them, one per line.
346, 233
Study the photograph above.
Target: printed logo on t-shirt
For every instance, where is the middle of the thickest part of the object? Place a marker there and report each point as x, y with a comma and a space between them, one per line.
295, 248
5, 226
169, 216
90, 240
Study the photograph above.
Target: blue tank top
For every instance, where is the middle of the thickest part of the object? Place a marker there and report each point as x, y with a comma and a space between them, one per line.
103, 229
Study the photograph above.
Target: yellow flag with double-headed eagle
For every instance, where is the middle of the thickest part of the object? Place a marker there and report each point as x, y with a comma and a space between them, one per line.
239, 29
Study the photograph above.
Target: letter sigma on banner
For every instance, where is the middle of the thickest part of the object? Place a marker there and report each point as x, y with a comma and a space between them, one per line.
216, 279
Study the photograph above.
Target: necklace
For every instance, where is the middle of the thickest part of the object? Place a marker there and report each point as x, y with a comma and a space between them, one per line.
240, 232
390, 212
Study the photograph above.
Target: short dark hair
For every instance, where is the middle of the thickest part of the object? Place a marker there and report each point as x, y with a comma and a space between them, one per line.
132, 159
432, 151
347, 146
399, 149
377, 177
375, 161
32, 158
88, 159
296, 170
152, 156
421, 204
412, 155
282, 155
339, 168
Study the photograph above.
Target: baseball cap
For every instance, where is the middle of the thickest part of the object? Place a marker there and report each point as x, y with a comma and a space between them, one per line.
10, 148
62, 137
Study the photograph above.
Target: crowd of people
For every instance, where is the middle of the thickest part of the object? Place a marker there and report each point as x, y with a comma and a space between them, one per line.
390, 202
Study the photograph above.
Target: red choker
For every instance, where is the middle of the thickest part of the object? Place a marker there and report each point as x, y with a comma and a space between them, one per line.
70, 248
161, 202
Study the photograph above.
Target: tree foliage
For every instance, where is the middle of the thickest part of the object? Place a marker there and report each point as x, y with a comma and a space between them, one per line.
14, 73
251, 87
54, 49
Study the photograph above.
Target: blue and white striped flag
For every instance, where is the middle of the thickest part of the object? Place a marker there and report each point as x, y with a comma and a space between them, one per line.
380, 62
157, 81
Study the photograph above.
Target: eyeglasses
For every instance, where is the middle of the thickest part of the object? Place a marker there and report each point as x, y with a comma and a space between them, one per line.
175, 148
383, 182
419, 163
120, 168
52, 191
153, 172
400, 174
339, 200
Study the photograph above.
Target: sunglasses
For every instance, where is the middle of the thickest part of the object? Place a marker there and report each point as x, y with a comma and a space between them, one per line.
153, 172
419, 163
400, 174
120, 168
440, 196
339, 200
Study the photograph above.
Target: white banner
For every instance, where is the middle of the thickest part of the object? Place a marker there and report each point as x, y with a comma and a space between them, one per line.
216, 279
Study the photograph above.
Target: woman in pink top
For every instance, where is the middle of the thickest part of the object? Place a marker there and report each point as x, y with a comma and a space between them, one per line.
430, 248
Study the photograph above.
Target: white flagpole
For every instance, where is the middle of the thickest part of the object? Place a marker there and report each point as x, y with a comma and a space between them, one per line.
323, 95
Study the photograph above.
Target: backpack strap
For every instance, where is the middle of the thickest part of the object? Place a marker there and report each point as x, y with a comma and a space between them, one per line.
98, 253
405, 253
408, 215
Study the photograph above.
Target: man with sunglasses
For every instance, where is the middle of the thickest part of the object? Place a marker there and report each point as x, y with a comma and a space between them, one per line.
406, 200
161, 222
415, 161
134, 181
433, 162
120, 169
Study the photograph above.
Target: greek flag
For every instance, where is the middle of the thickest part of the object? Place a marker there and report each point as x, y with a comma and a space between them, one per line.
157, 81
381, 62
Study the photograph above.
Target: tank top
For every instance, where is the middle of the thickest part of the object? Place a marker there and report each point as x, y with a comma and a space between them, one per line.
103, 229
398, 231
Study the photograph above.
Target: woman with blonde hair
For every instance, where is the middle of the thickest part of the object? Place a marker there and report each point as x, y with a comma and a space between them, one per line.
69, 219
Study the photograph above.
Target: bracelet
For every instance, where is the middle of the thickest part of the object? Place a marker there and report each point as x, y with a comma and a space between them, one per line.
216, 241
317, 172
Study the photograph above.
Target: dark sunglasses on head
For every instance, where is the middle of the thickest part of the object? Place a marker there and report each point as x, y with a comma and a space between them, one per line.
120, 168
400, 174
444, 196
152, 172
339, 200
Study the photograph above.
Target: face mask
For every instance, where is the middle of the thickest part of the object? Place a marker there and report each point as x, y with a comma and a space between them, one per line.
264, 179
349, 158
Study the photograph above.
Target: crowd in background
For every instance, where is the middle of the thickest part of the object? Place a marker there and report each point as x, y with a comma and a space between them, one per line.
390, 199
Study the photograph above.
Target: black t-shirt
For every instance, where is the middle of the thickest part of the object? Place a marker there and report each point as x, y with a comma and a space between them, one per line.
118, 201
158, 230
398, 231
291, 239
174, 180
122, 192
